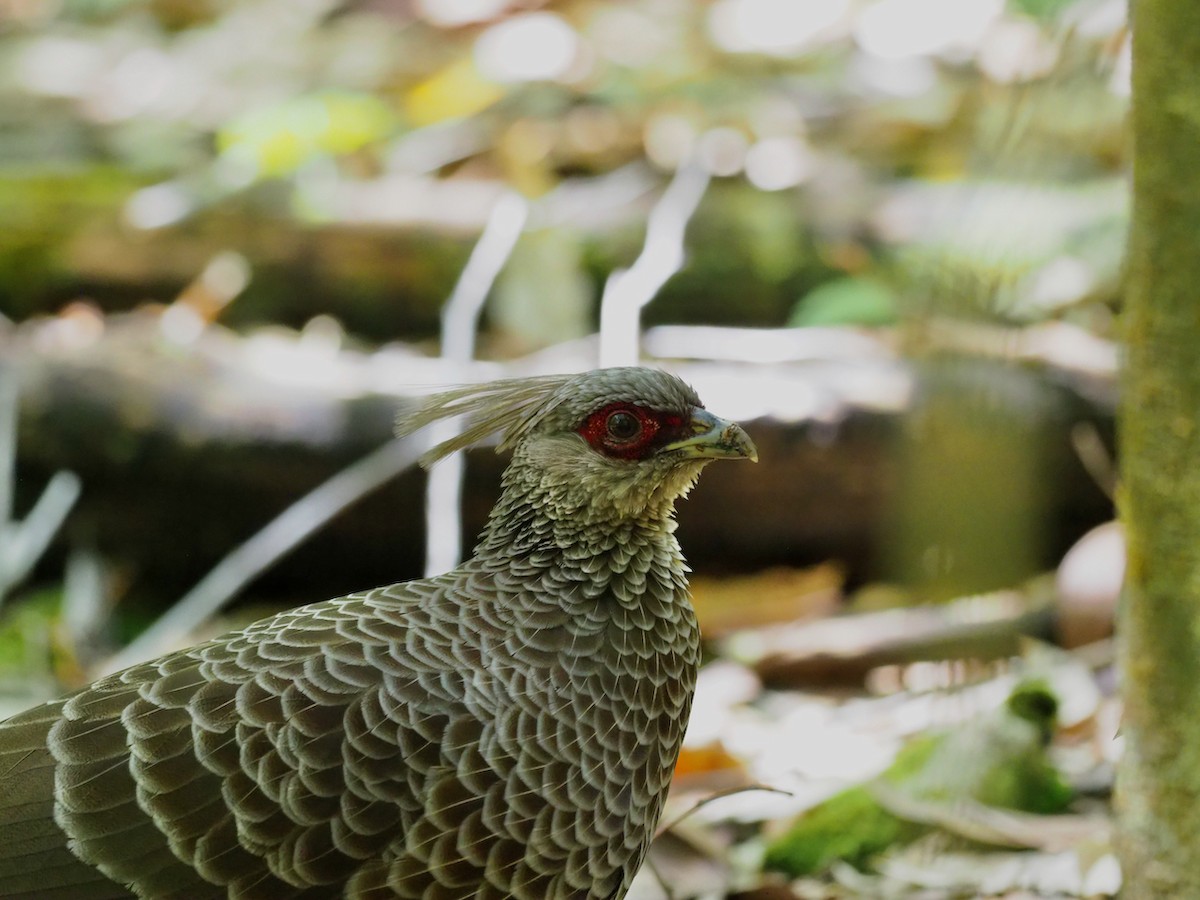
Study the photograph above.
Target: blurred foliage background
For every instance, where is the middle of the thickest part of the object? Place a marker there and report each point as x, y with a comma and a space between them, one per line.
347, 152
202, 201
228, 231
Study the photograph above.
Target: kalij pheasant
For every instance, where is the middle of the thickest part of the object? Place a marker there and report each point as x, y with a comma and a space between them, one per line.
507, 729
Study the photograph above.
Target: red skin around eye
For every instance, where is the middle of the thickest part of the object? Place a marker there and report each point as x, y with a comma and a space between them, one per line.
595, 430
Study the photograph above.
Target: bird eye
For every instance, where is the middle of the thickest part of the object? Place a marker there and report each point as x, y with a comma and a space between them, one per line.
623, 426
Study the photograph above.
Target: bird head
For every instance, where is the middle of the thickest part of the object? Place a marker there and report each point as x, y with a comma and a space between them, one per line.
607, 444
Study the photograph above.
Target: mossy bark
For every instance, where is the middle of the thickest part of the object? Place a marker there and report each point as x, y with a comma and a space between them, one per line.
1159, 784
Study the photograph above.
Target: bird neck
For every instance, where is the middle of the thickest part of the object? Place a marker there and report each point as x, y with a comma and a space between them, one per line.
553, 541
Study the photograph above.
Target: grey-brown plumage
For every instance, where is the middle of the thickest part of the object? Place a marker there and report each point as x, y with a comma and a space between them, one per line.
507, 729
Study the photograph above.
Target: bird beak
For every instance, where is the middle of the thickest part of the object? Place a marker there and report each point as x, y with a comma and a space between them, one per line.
715, 438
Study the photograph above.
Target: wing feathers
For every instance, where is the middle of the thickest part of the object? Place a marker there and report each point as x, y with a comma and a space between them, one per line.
34, 859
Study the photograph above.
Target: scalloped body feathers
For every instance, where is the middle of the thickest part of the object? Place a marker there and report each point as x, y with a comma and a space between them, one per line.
508, 729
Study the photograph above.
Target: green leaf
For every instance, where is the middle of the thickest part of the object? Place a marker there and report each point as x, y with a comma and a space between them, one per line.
846, 301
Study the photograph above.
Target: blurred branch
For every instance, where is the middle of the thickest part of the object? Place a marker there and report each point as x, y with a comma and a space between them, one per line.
844, 649
284, 533
714, 797
1093, 454
627, 291
460, 321
23, 543
316, 508
85, 601
8, 448
997, 826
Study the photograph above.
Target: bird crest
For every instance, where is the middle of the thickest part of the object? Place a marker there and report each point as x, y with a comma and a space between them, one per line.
510, 408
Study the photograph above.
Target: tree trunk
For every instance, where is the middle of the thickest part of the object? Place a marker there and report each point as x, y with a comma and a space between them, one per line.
1159, 783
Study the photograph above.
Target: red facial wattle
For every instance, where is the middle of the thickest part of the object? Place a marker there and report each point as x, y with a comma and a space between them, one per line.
626, 431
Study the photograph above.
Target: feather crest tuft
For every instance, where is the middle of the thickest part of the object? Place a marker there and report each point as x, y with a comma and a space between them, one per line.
510, 407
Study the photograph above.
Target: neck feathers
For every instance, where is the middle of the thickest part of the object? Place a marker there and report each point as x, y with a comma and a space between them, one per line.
634, 561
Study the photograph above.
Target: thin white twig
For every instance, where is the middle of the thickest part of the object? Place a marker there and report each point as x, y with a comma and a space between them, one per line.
627, 291
85, 599
8, 447
460, 322
23, 543
312, 511
261, 551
